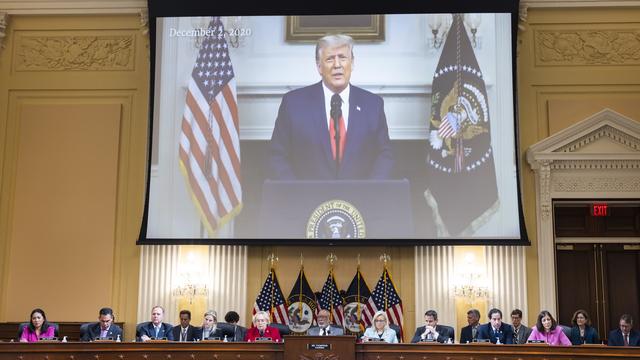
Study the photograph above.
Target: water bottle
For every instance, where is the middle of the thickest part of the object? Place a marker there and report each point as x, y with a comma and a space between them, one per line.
64, 338
225, 339
118, 338
498, 341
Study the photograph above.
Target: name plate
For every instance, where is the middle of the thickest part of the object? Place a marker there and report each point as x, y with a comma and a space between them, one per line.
318, 346
263, 339
103, 339
428, 340
535, 342
375, 339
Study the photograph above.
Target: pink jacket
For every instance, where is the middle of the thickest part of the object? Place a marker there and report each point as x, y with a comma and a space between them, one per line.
32, 337
553, 337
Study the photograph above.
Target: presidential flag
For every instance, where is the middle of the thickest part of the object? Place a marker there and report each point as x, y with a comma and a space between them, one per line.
271, 300
356, 298
385, 297
462, 190
302, 305
331, 300
209, 143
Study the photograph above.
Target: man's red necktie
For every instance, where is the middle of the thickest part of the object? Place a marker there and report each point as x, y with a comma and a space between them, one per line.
343, 138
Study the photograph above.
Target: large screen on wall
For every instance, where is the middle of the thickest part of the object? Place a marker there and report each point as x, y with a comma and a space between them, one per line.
350, 123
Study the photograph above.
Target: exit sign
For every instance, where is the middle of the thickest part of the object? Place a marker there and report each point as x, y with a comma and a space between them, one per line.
601, 209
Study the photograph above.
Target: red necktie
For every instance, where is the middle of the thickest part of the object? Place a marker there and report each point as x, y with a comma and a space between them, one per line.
343, 138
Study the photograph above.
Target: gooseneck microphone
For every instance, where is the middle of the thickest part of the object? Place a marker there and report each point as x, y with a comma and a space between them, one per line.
336, 114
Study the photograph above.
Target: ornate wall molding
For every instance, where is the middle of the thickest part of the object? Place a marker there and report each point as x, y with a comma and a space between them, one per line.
4, 21
587, 47
71, 7
569, 164
62, 53
596, 184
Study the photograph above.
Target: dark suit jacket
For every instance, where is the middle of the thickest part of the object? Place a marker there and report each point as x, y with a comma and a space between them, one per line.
444, 333
93, 331
217, 333
615, 338
523, 334
485, 331
148, 329
301, 149
466, 335
590, 336
192, 333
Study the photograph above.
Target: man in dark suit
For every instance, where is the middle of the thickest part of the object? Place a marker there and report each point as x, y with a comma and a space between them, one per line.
470, 332
304, 145
236, 332
103, 329
496, 331
324, 328
155, 329
431, 331
625, 335
521, 332
185, 332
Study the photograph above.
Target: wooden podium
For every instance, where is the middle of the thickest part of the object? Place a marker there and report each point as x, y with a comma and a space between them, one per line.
319, 347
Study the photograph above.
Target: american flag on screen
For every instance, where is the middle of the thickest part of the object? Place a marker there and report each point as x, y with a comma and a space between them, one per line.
271, 300
330, 299
209, 143
384, 297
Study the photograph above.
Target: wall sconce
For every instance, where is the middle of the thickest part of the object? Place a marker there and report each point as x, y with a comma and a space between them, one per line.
470, 282
473, 23
189, 289
439, 24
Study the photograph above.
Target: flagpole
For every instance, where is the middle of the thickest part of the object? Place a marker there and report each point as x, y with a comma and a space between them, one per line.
272, 260
358, 310
385, 258
300, 278
331, 258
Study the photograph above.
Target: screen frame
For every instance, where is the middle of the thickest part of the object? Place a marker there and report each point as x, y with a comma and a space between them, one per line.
289, 7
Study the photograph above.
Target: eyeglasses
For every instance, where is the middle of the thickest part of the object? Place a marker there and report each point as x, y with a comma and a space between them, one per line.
380, 320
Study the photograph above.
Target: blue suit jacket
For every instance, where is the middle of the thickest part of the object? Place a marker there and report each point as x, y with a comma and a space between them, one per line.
506, 333
300, 148
148, 329
615, 338
93, 332
590, 336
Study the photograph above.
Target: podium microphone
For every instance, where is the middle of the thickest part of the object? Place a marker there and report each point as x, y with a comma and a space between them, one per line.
336, 114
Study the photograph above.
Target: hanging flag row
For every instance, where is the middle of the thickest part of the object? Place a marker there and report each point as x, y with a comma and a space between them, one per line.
352, 309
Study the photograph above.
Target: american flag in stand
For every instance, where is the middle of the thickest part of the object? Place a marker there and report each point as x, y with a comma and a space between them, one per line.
271, 300
384, 297
330, 299
209, 143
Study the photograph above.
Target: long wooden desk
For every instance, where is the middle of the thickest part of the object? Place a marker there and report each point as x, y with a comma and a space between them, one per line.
270, 351
377, 351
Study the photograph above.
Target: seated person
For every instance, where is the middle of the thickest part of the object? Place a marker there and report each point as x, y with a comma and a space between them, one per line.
210, 330
431, 331
380, 329
104, 328
155, 329
625, 335
324, 328
186, 331
582, 332
495, 330
547, 329
239, 332
469, 333
38, 328
521, 332
261, 329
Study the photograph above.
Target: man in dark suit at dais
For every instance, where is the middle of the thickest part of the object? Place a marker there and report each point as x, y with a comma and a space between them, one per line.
304, 145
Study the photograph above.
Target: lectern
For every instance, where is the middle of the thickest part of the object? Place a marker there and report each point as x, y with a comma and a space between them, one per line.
320, 347
340, 209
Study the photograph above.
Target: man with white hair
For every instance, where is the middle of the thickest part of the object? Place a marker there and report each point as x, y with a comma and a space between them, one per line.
331, 130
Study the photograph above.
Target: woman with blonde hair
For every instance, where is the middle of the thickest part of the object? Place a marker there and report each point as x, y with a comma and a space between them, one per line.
380, 330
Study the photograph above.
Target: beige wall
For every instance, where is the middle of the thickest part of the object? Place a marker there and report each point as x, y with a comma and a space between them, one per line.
572, 64
73, 90
73, 123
